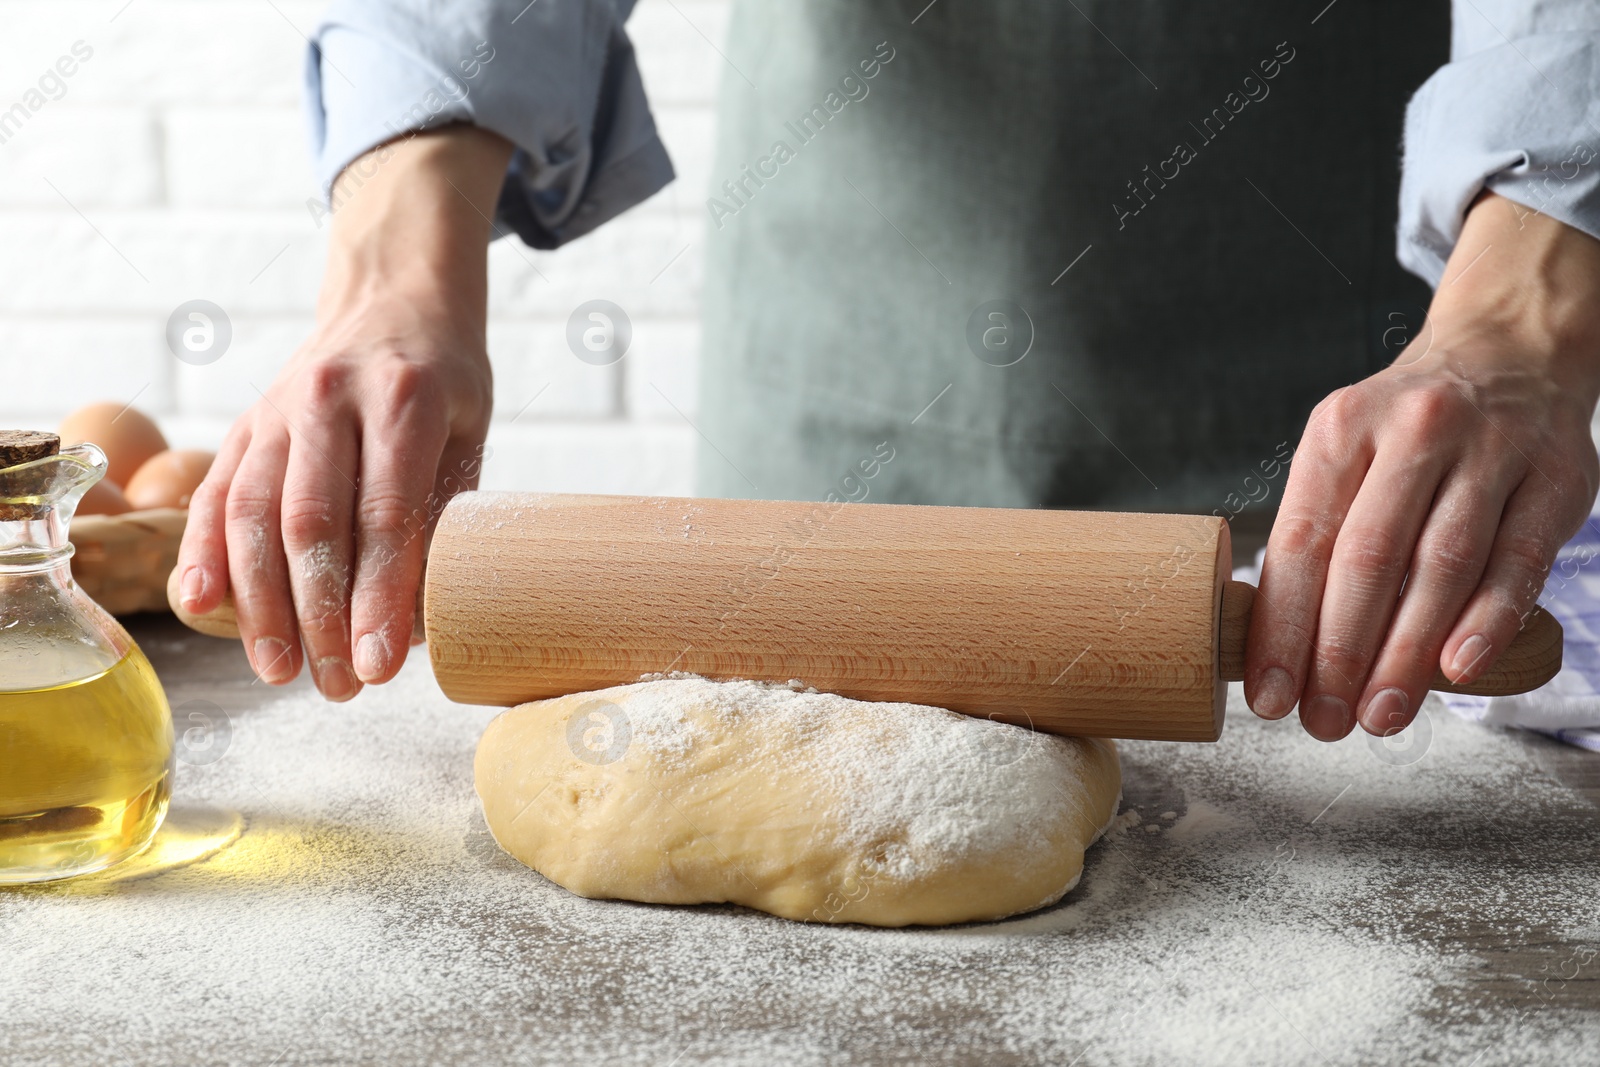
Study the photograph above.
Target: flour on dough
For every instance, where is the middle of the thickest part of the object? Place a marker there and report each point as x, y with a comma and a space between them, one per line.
802, 804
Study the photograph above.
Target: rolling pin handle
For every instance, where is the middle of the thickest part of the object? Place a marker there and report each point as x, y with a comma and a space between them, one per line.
1532, 659
220, 621
223, 620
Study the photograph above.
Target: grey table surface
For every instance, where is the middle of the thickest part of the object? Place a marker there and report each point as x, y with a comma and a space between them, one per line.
1263, 900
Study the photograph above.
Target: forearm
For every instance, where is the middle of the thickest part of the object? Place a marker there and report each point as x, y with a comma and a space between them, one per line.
1520, 282
413, 218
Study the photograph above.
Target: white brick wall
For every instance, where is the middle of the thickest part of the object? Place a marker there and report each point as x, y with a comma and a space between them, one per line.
173, 167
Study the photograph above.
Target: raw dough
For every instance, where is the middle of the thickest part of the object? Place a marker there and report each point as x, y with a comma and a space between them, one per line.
803, 804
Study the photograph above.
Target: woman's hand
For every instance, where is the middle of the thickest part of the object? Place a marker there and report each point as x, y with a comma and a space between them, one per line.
1426, 504
318, 509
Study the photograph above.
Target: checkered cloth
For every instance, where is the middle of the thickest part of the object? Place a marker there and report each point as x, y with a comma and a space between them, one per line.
1568, 706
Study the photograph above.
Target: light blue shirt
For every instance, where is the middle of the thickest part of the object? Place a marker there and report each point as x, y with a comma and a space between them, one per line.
556, 78
1516, 110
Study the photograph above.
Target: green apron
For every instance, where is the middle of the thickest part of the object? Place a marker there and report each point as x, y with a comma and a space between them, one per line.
1196, 220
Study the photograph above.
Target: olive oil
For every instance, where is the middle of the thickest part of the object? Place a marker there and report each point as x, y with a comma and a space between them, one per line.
85, 771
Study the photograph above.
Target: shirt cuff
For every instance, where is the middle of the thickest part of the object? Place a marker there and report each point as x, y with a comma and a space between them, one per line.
556, 80
1522, 120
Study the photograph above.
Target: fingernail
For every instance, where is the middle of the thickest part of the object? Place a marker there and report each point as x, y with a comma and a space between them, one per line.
271, 659
1327, 718
372, 656
335, 678
1467, 657
192, 587
1275, 694
1386, 712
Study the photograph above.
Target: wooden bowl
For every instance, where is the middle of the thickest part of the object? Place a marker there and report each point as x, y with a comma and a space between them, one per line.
122, 561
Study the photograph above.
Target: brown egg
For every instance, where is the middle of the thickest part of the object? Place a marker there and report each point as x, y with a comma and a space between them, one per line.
127, 437
168, 479
103, 498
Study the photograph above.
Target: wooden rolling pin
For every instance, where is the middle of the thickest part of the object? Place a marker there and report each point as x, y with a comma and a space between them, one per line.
1091, 623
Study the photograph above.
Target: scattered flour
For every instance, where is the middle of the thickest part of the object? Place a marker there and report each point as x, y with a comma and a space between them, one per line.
1203, 820
366, 916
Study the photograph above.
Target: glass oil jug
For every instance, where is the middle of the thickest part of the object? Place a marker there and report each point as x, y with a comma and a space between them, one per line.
85, 732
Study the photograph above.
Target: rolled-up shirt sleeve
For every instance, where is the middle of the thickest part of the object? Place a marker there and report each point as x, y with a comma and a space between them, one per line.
556, 78
1515, 111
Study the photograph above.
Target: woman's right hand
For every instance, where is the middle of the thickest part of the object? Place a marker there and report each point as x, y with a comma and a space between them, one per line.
318, 509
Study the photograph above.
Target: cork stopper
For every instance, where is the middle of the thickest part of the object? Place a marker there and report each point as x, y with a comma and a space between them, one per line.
25, 446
